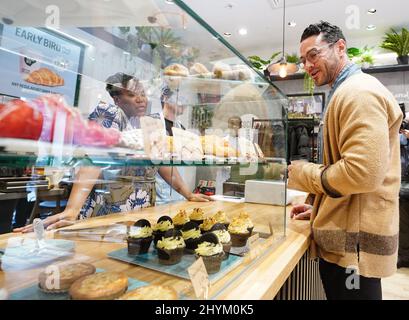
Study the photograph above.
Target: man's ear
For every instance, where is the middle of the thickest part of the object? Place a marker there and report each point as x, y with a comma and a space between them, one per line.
342, 47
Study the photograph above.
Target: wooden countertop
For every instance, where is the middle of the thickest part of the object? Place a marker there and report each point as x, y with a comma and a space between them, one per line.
258, 277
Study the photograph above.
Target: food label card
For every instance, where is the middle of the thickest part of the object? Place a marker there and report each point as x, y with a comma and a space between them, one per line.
200, 278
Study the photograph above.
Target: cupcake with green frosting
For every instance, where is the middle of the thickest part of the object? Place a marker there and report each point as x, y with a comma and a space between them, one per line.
140, 237
170, 247
211, 251
191, 234
224, 237
164, 224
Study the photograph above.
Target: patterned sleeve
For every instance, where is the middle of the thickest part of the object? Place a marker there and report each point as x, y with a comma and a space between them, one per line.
107, 115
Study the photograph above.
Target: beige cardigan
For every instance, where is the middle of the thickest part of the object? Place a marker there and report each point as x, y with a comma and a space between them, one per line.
355, 220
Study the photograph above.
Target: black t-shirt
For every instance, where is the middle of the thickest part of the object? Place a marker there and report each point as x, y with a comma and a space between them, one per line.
169, 125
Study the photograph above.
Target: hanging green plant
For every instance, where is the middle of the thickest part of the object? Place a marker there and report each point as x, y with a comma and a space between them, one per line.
309, 85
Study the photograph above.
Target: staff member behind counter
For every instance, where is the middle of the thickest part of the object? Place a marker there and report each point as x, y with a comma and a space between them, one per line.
136, 186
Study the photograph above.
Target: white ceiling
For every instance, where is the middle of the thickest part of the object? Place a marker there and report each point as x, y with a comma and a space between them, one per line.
262, 18
264, 21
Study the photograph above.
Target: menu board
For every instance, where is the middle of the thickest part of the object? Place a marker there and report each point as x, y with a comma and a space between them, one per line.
37, 61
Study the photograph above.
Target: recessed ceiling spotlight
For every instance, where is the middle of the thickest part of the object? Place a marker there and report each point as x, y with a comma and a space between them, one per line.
126, 53
372, 11
227, 34
167, 45
169, 1
242, 31
371, 27
292, 24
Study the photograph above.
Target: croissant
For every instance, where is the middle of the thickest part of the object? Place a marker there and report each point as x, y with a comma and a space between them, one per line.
45, 77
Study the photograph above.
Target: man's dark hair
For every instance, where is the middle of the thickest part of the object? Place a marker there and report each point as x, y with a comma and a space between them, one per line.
330, 32
166, 94
115, 81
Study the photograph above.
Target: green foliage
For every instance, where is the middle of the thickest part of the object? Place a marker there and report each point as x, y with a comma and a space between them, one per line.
166, 47
292, 58
361, 56
397, 42
309, 85
261, 64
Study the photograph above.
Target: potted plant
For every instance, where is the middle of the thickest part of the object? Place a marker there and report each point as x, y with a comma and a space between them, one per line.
399, 43
261, 64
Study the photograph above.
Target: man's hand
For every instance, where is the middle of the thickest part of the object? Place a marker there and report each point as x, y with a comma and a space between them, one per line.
301, 212
198, 197
63, 219
405, 132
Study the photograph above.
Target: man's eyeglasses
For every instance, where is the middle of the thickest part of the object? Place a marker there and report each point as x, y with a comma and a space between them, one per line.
313, 55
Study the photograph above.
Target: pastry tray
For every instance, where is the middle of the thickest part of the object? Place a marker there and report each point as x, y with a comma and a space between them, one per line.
35, 293
150, 260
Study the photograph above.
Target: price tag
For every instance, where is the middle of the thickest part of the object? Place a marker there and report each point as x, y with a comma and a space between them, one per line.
200, 278
252, 241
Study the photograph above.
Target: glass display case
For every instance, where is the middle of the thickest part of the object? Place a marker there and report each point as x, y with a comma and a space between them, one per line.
108, 108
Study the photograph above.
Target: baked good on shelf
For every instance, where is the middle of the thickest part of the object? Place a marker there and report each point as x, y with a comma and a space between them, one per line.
171, 247
221, 70
140, 237
163, 224
240, 229
99, 286
221, 217
207, 224
180, 219
214, 145
191, 234
176, 69
151, 292
199, 69
197, 216
224, 237
211, 251
45, 77
68, 274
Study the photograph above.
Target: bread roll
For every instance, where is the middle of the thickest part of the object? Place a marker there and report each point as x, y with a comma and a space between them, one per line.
198, 69
176, 69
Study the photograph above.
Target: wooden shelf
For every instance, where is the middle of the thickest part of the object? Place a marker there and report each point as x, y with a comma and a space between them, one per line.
376, 69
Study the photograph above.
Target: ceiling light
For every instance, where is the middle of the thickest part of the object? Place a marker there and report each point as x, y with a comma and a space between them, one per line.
169, 1
126, 53
167, 45
242, 31
292, 24
282, 67
372, 11
371, 27
227, 34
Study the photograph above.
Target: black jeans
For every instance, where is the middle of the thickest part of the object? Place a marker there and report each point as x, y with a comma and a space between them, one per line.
336, 280
404, 222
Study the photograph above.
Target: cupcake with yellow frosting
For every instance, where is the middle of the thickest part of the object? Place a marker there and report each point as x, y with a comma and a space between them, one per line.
180, 219
211, 252
164, 224
221, 217
197, 216
240, 229
140, 237
224, 238
207, 224
191, 234
171, 247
